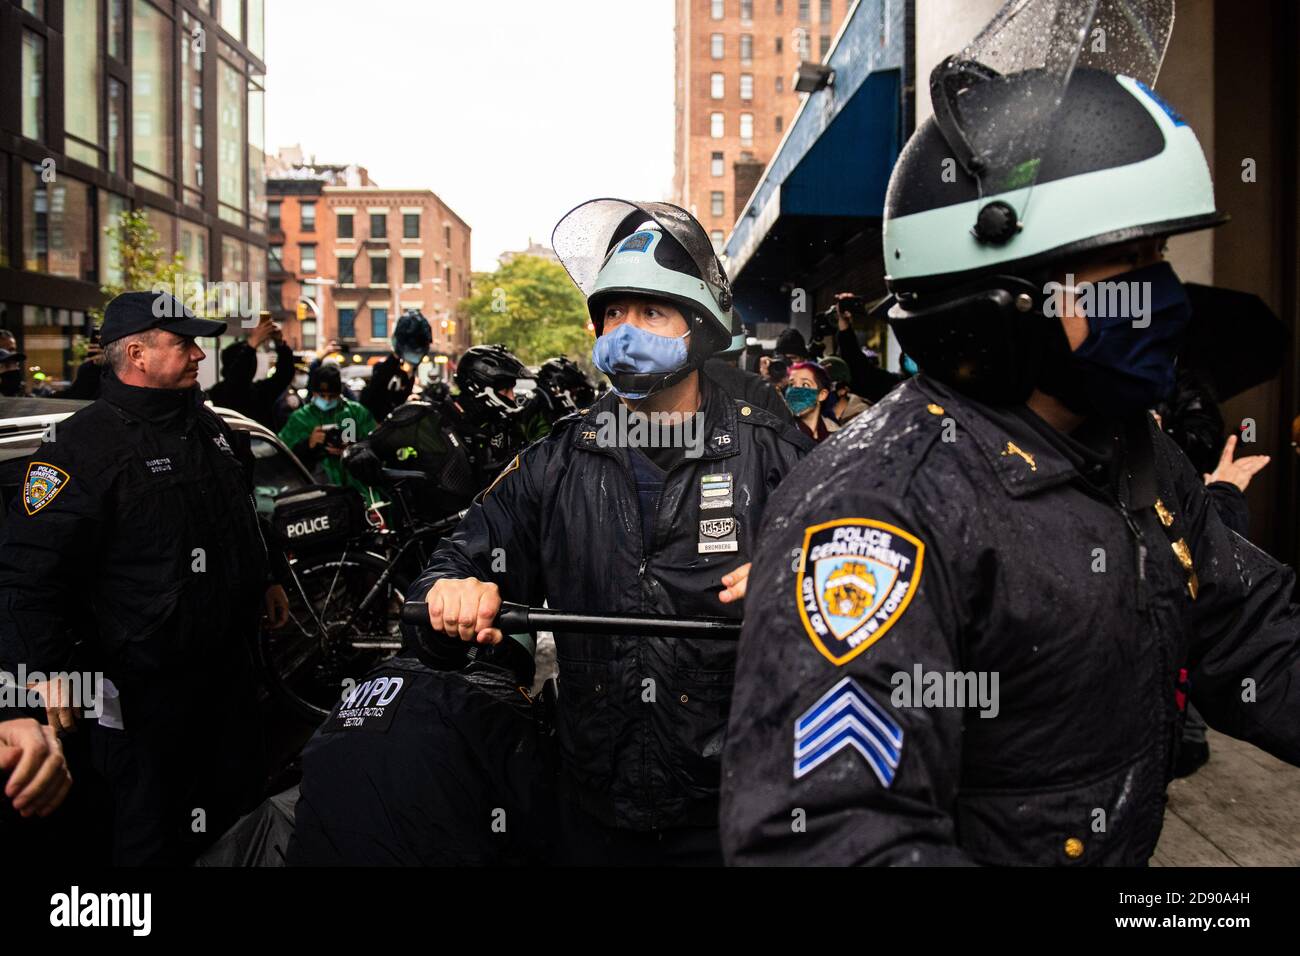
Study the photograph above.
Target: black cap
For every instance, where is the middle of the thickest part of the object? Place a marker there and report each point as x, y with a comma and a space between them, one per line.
133, 312
790, 342
326, 373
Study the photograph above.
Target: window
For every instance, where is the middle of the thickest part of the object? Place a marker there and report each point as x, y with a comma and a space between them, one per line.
747, 128
307, 214
825, 11
378, 225
256, 152
747, 86
778, 45
378, 270
307, 254
717, 10
823, 45
803, 11
716, 164
717, 46
111, 207
116, 127
275, 295
717, 125
780, 123
780, 84
446, 279
344, 225
410, 225
117, 29
194, 249
191, 113
446, 236
273, 215
81, 85
256, 28
309, 291
746, 48
411, 270
378, 323
716, 237
58, 226
232, 18
33, 85
347, 323
347, 270
275, 257
717, 86
746, 11
780, 7
151, 97
231, 140
717, 204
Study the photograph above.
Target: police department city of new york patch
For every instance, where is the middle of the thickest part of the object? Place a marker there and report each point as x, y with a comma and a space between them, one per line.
42, 485
855, 581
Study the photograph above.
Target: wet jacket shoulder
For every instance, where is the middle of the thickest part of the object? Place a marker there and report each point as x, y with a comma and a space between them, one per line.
752, 388
962, 649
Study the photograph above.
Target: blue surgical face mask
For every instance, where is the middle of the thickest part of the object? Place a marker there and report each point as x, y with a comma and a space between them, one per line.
412, 357
1123, 367
629, 349
324, 404
800, 398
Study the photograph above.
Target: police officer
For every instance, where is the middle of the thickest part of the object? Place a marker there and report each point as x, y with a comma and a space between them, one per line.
133, 549
975, 642
431, 759
392, 380
487, 412
592, 519
567, 384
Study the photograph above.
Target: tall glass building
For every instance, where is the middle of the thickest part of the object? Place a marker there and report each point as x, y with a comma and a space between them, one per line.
113, 104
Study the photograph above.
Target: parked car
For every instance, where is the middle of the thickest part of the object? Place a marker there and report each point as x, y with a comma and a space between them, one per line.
24, 421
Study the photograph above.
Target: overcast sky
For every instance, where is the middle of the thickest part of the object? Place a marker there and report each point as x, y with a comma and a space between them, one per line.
512, 111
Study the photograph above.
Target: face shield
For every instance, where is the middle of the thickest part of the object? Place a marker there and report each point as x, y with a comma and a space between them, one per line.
996, 101
584, 238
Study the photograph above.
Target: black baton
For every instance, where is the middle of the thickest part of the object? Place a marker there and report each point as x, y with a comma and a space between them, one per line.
519, 618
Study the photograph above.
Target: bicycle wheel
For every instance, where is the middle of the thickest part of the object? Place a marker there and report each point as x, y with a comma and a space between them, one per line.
328, 645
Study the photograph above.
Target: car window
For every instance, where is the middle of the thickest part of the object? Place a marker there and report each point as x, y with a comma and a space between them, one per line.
274, 473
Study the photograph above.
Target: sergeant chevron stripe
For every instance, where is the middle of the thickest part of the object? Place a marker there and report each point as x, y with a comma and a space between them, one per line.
846, 717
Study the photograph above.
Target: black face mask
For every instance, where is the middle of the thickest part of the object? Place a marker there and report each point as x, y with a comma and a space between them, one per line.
1126, 364
11, 382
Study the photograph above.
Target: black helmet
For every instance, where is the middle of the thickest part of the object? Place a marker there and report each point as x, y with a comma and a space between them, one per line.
486, 370
563, 380
1042, 148
412, 334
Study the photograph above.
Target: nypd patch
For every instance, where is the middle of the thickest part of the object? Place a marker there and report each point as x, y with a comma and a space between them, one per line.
847, 717
42, 485
855, 581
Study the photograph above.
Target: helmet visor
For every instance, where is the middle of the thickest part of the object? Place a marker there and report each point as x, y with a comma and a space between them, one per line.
584, 237
997, 126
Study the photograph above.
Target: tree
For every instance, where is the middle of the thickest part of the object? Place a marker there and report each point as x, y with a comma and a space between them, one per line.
141, 259
531, 306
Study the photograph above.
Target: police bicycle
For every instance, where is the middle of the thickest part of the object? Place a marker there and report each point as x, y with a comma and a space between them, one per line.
350, 568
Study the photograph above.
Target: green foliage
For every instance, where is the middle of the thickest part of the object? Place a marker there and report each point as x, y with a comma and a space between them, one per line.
533, 308
144, 265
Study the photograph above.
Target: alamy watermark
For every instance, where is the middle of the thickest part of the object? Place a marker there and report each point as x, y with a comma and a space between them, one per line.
1103, 300
959, 689
228, 300
625, 428
78, 689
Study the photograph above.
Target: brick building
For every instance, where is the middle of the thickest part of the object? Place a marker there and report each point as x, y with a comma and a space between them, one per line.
347, 257
735, 96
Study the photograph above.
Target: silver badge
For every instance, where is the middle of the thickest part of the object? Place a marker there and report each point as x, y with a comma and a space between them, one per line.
718, 534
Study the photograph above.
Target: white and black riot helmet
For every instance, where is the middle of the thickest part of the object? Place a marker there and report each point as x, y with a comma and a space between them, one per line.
1048, 143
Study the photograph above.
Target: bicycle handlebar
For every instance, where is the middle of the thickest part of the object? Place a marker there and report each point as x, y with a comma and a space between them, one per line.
519, 618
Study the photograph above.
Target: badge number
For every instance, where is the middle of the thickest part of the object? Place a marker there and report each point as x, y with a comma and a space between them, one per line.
856, 579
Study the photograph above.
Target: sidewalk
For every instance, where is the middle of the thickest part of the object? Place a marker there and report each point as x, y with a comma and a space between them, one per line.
1240, 809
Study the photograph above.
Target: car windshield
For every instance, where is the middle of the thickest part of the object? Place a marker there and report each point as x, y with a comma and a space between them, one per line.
274, 473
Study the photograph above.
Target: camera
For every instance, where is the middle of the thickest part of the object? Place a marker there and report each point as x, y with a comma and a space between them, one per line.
333, 436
